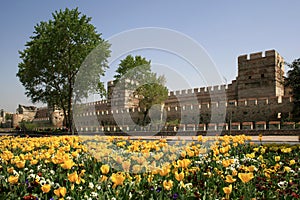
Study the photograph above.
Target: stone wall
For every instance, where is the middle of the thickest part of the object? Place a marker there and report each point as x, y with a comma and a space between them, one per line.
44, 115
246, 110
257, 94
235, 128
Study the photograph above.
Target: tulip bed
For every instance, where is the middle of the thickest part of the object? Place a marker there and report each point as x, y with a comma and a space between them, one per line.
72, 167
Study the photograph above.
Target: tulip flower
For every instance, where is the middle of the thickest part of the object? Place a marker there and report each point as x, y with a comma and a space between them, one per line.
13, 179
104, 169
168, 184
245, 177
46, 188
117, 179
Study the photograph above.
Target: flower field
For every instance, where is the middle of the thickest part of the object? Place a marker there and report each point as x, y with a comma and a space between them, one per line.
72, 167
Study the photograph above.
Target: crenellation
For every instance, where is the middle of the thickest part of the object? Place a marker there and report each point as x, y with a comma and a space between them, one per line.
255, 55
196, 90
270, 53
190, 91
223, 87
216, 88
202, 89
243, 58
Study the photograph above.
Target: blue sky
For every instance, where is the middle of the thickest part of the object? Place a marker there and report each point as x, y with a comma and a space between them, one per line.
225, 29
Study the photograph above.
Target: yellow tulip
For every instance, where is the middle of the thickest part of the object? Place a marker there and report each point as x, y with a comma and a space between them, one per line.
104, 169
20, 164
251, 155
184, 163
226, 163
227, 190
13, 179
103, 178
292, 162
287, 169
82, 173
168, 184
138, 178
251, 168
68, 164
164, 171
117, 179
183, 154
276, 166
150, 178
286, 150
136, 168
126, 166
234, 172
277, 158
245, 177
74, 178
229, 179
34, 162
10, 170
180, 176
191, 153
46, 188
60, 192
200, 138
267, 175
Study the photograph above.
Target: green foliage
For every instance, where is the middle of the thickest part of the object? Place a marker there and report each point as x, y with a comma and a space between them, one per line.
53, 56
129, 65
29, 126
8, 117
174, 122
293, 80
150, 89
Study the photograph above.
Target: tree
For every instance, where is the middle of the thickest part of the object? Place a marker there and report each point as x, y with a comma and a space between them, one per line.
150, 87
293, 80
53, 56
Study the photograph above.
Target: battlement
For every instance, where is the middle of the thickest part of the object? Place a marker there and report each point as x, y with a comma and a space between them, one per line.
257, 55
201, 90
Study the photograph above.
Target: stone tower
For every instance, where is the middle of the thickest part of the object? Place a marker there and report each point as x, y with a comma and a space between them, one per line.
122, 97
260, 75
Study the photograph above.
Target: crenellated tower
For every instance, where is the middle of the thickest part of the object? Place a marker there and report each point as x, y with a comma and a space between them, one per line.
260, 75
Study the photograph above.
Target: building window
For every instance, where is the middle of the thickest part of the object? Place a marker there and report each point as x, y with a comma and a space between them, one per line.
262, 75
249, 77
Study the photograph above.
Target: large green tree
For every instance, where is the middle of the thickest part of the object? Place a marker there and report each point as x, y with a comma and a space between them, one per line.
293, 80
150, 88
53, 57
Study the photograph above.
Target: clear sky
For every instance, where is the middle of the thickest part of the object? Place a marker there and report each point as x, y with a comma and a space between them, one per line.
225, 29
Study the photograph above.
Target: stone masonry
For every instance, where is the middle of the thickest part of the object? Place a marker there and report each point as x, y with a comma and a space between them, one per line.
257, 94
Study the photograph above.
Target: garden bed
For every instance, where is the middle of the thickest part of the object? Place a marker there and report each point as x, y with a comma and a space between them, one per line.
72, 167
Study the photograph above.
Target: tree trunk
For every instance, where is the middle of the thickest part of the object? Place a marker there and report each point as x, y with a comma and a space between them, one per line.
145, 116
70, 113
